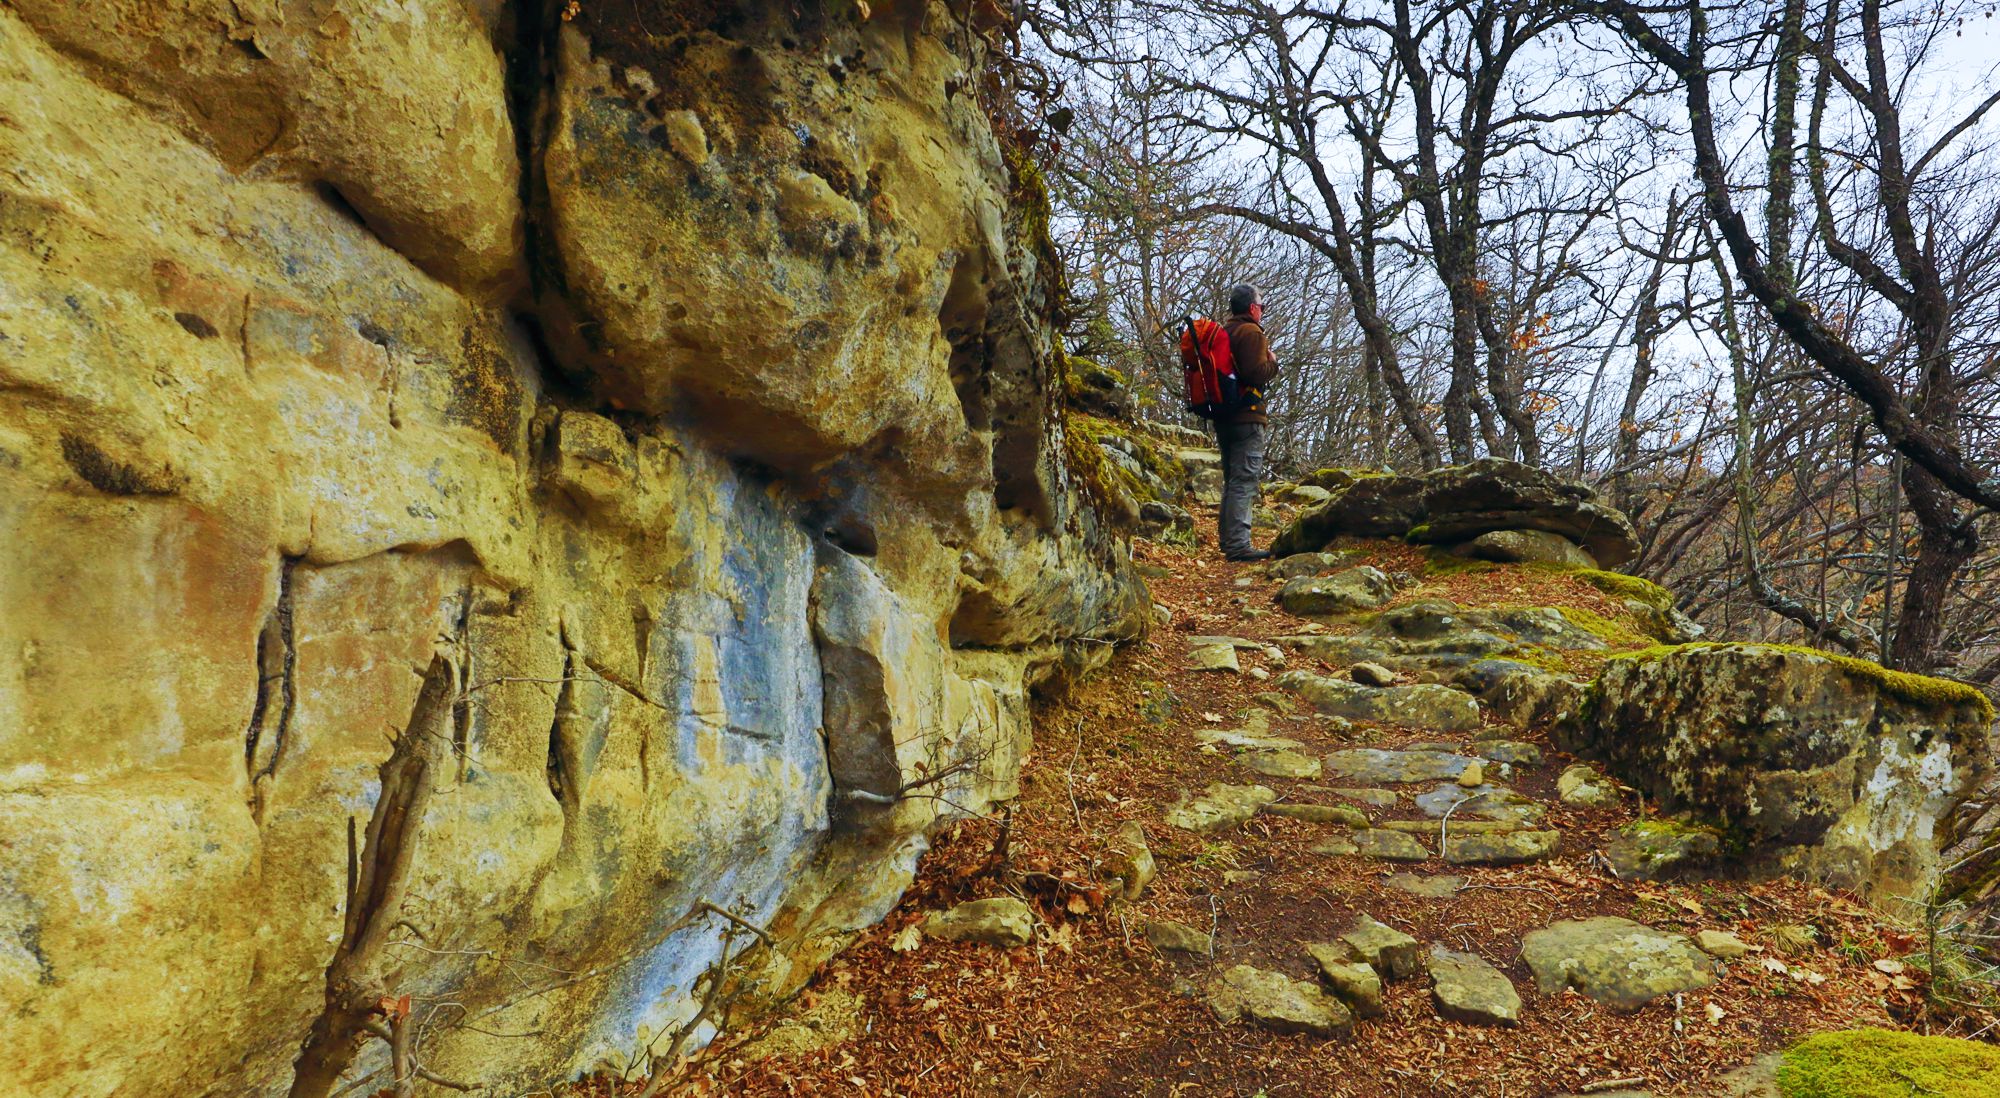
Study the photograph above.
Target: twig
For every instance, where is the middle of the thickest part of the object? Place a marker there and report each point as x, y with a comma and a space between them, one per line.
762, 934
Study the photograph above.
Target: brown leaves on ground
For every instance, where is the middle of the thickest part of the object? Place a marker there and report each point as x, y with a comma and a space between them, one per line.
1090, 1009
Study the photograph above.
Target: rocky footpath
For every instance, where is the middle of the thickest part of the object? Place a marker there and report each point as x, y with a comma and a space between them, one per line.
515, 517
1380, 817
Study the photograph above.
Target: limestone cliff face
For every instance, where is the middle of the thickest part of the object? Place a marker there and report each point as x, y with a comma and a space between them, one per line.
679, 372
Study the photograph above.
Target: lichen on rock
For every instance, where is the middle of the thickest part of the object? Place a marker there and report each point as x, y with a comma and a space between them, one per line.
687, 380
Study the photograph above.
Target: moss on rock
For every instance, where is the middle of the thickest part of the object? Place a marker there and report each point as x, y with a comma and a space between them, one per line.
1923, 690
1882, 1063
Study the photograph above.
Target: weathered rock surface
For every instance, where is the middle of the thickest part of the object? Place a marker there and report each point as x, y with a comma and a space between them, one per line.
1457, 504
1281, 763
1213, 657
1221, 806
1387, 950
1617, 962
1344, 815
281, 407
1435, 708
1832, 770
1467, 989
1274, 1001
1526, 546
1001, 921
1344, 592
1353, 982
1584, 786
1374, 764
1499, 847
1173, 937
1128, 860
1647, 850
1386, 845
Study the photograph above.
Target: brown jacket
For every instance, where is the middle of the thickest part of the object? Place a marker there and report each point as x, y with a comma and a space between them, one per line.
1256, 366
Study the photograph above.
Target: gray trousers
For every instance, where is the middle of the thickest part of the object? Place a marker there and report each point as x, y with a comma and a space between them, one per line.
1242, 446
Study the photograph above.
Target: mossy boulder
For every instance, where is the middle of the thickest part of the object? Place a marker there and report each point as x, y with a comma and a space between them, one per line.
1615, 961
1526, 546
1827, 767
1095, 389
1344, 592
1458, 504
1882, 1063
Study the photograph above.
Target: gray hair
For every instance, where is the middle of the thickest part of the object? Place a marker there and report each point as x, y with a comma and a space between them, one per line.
1242, 296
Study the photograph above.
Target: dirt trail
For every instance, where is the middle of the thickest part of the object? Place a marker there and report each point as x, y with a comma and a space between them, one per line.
1090, 1007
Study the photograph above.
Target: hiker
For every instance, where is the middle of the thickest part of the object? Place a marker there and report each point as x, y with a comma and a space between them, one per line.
1240, 433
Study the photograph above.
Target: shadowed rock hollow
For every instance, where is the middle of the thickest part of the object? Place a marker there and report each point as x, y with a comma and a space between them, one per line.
682, 382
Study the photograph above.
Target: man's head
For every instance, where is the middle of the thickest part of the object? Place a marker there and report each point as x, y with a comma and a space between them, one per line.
1242, 296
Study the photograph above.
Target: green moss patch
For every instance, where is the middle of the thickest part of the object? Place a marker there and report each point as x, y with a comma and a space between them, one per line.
1923, 690
1615, 584
1882, 1063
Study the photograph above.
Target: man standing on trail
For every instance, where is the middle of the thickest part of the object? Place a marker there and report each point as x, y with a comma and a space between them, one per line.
1240, 434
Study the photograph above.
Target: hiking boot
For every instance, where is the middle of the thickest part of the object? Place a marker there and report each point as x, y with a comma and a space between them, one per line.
1251, 554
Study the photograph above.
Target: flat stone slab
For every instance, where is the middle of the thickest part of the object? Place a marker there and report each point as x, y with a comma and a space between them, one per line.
1220, 807
1512, 752
1440, 887
1213, 657
1615, 961
1281, 763
1167, 935
1246, 739
1336, 846
1492, 802
1353, 982
1467, 989
1373, 764
1500, 847
1382, 947
1274, 1001
1379, 798
1344, 815
1344, 592
1425, 705
1469, 827
1204, 641
1720, 943
1389, 846
1001, 921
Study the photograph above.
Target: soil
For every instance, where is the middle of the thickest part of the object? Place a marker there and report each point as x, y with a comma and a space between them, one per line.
1091, 1009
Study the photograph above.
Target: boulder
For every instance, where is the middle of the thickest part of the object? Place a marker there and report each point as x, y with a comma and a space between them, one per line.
1274, 1001
1826, 767
1306, 564
1002, 921
1344, 592
1617, 962
1458, 504
1526, 547
1465, 988
1371, 674
1648, 850
1307, 495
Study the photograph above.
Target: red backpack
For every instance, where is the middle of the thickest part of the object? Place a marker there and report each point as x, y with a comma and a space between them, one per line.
1209, 367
